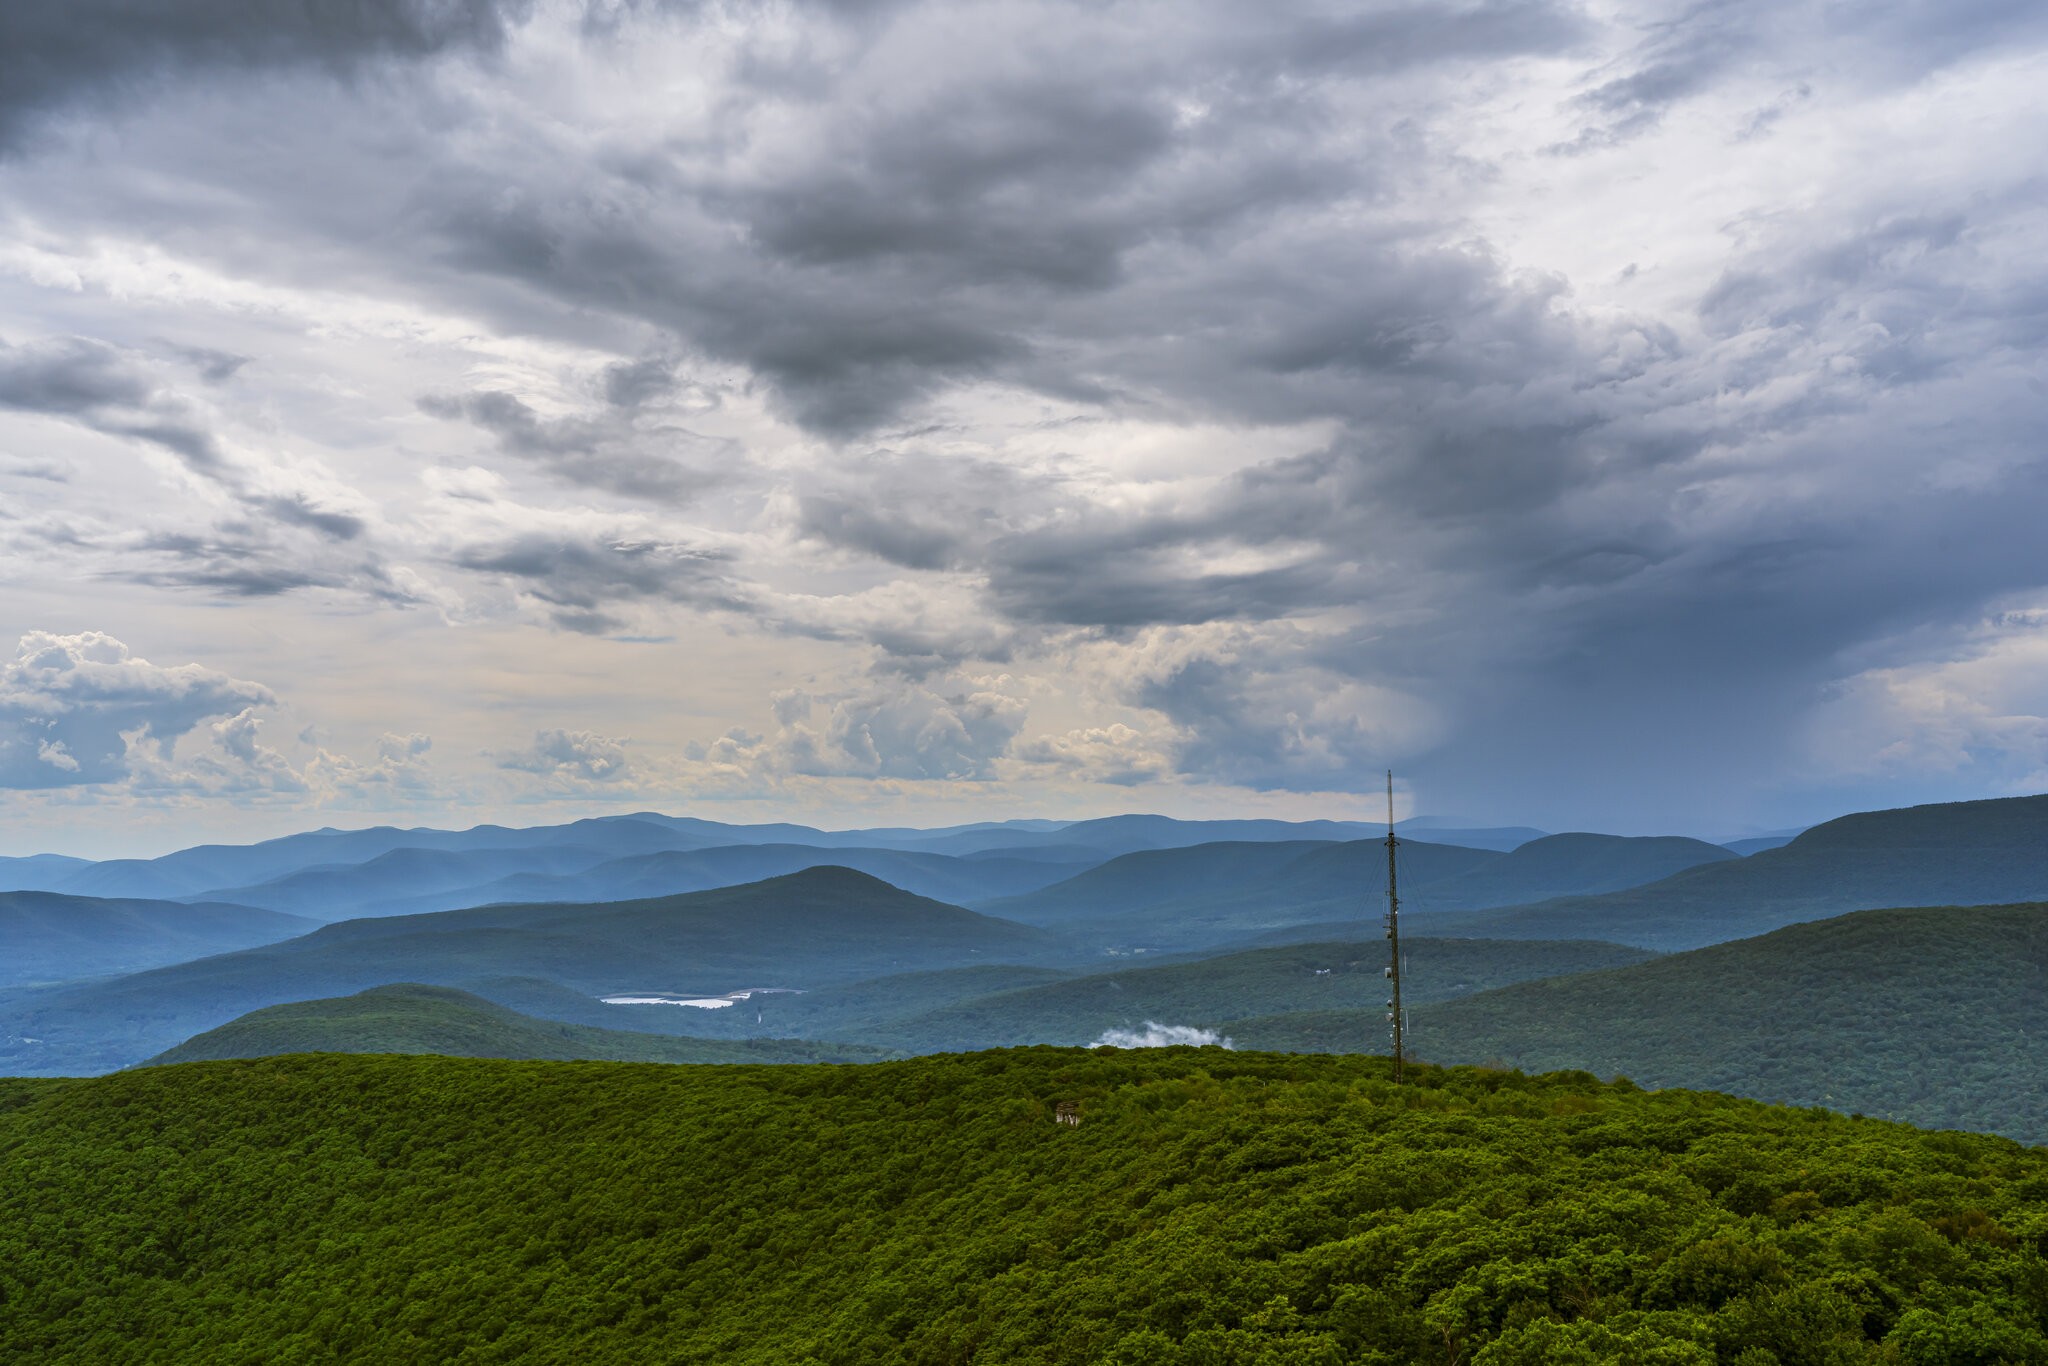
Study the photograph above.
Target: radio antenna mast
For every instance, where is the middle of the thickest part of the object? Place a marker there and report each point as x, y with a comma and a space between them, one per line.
1394, 1015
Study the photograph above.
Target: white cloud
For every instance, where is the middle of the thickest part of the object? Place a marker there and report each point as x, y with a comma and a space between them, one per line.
1114, 754
1978, 710
576, 755
1155, 1035
84, 708
909, 731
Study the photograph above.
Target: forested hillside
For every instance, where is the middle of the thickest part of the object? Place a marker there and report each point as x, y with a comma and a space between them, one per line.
1214, 993
50, 937
1935, 1015
410, 1018
1209, 1207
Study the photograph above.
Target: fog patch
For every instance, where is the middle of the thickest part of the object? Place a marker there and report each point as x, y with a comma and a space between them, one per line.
1156, 1035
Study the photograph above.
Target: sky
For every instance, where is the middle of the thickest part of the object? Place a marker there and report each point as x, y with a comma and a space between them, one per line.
1619, 416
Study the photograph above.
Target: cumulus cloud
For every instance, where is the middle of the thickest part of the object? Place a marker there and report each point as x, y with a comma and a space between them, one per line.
573, 754
84, 708
904, 732
1115, 754
400, 771
1155, 1035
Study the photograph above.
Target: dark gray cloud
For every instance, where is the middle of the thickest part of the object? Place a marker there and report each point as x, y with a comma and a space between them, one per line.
214, 366
581, 578
627, 446
236, 558
1033, 229
1575, 535
103, 387
55, 53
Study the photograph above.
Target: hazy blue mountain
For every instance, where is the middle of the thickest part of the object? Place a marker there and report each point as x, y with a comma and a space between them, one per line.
51, 937
1501, 838
1116, 889
1075, 855
1933, 1015
1214, 992
38, 872
1129, 834
1191, 898
1567, 865
1756, 844
1955, 853
409, 1017
208, 867
815, 928
205, 871
403, 878
939, 876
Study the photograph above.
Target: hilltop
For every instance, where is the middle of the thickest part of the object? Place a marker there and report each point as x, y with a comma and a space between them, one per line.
408, 1017
1209, 1207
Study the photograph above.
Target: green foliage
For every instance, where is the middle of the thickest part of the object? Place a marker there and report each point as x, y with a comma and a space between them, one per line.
1210, 1208
1216, 992
410, 1018
1937, 1016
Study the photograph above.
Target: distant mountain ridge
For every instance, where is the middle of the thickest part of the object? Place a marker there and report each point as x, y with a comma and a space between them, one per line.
1185, 899
1955, 853
309, 873
942, 877
50, 937
812, 928
1578, 864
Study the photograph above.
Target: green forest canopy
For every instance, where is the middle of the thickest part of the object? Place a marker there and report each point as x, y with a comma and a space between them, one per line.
1210, 1207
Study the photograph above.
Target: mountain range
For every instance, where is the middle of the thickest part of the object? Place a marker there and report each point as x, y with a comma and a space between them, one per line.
1017, 932
1957, 853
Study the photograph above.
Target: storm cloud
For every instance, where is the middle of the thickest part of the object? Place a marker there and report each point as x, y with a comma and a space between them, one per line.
1606, 417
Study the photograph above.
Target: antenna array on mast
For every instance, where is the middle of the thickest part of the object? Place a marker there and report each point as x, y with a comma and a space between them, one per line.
1395, 1018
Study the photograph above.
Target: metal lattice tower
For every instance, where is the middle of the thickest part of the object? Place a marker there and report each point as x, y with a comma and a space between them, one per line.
1395, 1018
